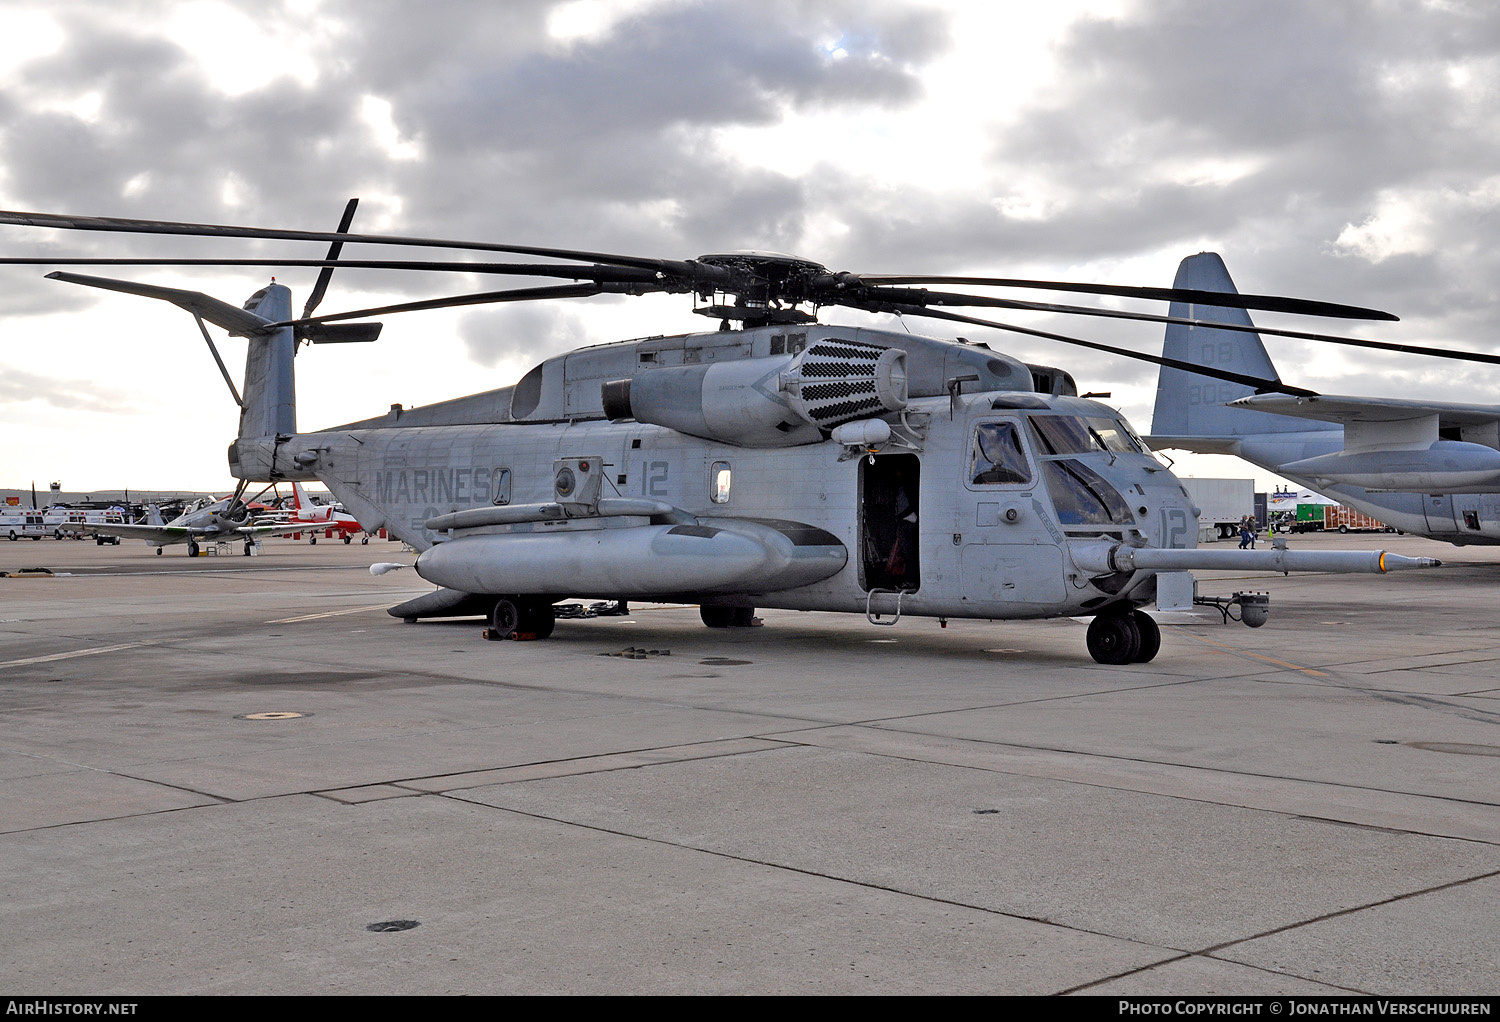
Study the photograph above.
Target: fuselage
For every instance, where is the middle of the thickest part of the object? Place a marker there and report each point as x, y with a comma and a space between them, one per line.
1458, 518
975, 522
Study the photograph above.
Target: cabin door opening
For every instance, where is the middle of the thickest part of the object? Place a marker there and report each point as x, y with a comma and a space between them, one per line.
889, 499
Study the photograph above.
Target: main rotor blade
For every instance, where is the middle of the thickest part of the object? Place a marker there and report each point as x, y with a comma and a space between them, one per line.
597, 273
321, 286
525, 294
1261, 384
65, 222
944, 298
1267, 303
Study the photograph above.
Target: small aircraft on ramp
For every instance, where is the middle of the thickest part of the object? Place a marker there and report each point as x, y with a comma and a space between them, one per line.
1430, 468
778, 463
204, 521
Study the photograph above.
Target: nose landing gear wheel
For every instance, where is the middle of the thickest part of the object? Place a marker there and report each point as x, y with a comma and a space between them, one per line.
1150, 637
1114, 639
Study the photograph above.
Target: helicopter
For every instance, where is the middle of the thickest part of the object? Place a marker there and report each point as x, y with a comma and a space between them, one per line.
776, 462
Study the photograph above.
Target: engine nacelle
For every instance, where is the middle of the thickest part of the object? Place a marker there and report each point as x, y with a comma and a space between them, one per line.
783, 401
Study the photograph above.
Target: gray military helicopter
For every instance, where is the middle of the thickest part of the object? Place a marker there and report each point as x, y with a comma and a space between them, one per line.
776, 462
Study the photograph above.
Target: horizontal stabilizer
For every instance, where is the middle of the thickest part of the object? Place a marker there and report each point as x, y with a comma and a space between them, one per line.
232, 318
338, 333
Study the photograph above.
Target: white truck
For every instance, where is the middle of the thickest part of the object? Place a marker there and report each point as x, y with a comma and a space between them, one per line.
1222, 504
22, 523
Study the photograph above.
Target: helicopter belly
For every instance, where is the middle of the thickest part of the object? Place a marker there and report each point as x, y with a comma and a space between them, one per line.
643, 561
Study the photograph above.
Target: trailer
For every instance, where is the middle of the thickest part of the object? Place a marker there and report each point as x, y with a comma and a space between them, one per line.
1222, 505
1346, 519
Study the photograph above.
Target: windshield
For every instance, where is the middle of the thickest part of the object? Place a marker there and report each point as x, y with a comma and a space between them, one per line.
1075, 434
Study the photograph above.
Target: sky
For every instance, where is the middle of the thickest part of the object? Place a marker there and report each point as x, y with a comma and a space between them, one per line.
1345, 151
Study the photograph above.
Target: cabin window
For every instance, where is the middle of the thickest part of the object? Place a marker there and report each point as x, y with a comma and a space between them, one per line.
1082, 497
502, 486
718, 482
998, 457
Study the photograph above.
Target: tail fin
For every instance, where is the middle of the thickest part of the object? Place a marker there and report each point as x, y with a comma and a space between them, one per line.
1189, 405
270, 403
153, 515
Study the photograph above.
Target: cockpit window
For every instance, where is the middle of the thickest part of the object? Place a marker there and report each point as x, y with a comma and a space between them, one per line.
998, 457
1082, 497
1074, 434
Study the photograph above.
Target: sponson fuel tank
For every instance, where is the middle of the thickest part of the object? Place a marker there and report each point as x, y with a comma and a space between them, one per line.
730, 555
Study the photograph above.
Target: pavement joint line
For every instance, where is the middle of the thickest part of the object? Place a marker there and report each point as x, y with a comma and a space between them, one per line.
93, 651
329, 613
631, 760
1148, 763
1337, 913
801, 871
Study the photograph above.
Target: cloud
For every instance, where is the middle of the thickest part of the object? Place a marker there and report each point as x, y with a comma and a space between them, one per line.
18, 387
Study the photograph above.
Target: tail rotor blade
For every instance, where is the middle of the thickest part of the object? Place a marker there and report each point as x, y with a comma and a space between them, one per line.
314, 299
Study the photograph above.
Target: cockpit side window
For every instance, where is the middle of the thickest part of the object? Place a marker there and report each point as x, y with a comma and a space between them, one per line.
998, 457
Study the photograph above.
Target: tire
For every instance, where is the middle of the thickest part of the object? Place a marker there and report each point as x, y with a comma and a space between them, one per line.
348, 540
12, 535
537, 617
312, 540
717, 617
192, 549
1114, 639
505, 619
1343, 528
364, 541
1150, 637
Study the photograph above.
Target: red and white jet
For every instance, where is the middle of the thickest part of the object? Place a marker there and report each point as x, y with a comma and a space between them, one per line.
323, 518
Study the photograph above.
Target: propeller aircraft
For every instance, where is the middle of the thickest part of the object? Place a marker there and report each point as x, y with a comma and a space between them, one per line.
204, 521
776, 462
1430, 468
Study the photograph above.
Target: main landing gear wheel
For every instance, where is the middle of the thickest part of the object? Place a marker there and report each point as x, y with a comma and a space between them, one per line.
1114, 639
727, 617
347, 540
537, 617
158, 551
518, 615
192, 548
505, 619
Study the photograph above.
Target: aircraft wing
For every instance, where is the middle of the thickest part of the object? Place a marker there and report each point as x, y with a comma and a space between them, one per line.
279, 529
1195, 444
158, 534
1333, 408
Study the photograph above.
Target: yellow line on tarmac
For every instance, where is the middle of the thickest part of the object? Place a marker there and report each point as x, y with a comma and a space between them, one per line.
328, 613
1258, 656
77, 652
